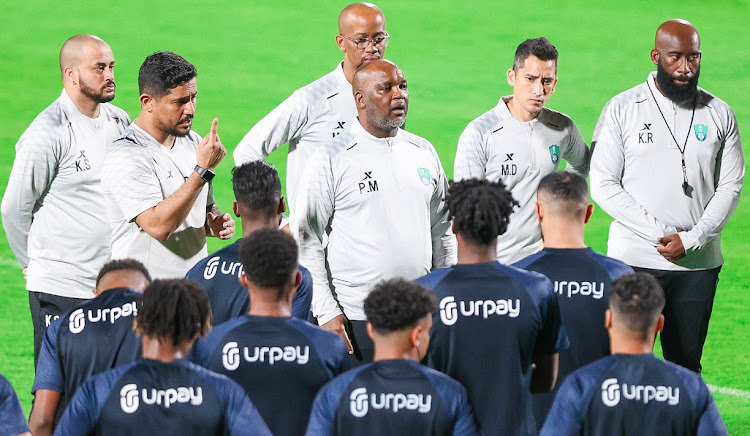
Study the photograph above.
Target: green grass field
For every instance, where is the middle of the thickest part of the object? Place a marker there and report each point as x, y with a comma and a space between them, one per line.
252, 55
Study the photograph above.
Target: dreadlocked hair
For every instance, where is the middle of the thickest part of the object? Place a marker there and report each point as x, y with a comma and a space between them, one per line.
480, 209
174, 310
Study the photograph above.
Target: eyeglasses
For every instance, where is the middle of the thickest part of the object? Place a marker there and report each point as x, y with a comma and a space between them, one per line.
363, 43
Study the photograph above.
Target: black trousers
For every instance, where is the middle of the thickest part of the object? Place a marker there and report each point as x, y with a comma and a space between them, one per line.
364, 348
687, 310
46, 308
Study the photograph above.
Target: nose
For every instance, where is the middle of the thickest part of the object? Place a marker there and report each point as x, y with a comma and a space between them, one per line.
538, 88
110, 74
683, 66
371, 47
190, 107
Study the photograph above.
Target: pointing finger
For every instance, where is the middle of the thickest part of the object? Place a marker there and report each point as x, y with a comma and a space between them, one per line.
214, 126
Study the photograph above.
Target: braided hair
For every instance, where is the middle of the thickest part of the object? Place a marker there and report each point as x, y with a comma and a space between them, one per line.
480, 209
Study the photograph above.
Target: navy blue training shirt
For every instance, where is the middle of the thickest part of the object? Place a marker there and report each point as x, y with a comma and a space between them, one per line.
281, 363
633, 395
149, 397
219, 275
490, 322
12, 420
95, 337
582, 279
392, 397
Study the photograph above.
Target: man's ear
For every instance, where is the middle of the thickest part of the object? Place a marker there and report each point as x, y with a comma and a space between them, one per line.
244, 281
539, 211
236, 209
282, 205
608, 319
359, 99
147, 102
340, 43
660, 324
655, 57
589, 211
511, 77
416, 332
370, 332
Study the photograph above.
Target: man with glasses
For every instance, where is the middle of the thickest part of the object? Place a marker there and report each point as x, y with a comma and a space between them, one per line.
668, 168
320, 111
519, 141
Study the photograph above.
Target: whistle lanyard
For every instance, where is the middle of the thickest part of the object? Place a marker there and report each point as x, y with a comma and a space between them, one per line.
686, 188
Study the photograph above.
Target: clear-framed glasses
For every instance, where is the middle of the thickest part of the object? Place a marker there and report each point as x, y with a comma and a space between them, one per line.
362, 43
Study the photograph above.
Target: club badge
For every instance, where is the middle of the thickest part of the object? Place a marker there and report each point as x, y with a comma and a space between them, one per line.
701, 131
554, 153
424, 175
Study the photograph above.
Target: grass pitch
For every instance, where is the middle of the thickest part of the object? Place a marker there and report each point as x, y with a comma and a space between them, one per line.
252, 55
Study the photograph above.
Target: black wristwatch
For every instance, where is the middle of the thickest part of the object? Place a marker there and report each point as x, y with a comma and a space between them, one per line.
206, 174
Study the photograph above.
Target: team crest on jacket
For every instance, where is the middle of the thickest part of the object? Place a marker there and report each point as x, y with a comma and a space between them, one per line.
554, 153
424, 175
701, 131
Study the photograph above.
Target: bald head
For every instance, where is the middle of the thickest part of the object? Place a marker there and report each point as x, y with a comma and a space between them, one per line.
381, 97
77, 47
677, 56
359, 14
676, 31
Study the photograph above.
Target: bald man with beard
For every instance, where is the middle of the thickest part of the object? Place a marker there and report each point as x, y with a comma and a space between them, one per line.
370, 207
668, 167
316, 113
52, 207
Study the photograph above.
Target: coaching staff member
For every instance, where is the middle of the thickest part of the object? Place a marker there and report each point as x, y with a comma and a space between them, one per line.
52, 205
157, 176
318, 112
668, 168
519, 141
372, 207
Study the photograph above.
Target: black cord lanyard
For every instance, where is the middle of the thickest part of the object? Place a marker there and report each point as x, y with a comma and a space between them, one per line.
686, 188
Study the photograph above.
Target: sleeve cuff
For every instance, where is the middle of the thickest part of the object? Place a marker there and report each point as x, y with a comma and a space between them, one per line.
689, 240
328, 315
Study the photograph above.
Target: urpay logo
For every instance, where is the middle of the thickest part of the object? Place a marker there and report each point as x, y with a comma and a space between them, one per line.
612, 390
594, 289
232, 355
78, 318
449, 309
131, 397
360, 402
227, 268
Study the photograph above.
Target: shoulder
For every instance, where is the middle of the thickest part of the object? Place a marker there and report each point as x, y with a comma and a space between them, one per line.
529, 279
529, 260
47, 128
443, 383
709, 100
318, 90
434, 278
486, 123
322, 338
556, 119
697, 388
635, 95
219, 331
337, 147
339, 384
586, 377
615, 268
116, 113
417, 140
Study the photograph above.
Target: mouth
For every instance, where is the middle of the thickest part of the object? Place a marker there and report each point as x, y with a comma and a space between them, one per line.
399, 110
185, 124
370, 58
110, 87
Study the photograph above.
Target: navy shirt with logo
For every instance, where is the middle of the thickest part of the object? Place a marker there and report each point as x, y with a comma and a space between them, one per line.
280, 362
219, 275
633, 395
491, 320
95, 337
392, 397
12, 420
149, 397
582, 279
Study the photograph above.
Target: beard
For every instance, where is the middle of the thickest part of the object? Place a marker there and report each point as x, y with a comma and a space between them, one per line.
97, 96
383, 121
676, 93
173, 130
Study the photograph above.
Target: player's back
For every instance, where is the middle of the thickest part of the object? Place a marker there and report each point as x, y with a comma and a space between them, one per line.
491, 321
281, 363
582, 279
392, 397
633, 395
95, 337
153, 397
218, 274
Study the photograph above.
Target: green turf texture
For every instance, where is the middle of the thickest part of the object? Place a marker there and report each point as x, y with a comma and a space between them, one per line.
252, 55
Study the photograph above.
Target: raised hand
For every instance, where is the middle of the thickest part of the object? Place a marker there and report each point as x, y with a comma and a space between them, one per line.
210, 149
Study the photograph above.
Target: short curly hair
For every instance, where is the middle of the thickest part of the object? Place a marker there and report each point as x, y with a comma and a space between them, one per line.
637, 300
480, 209
174, 310
257, 187
123, 264
398, 304
269, 258
163, 71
